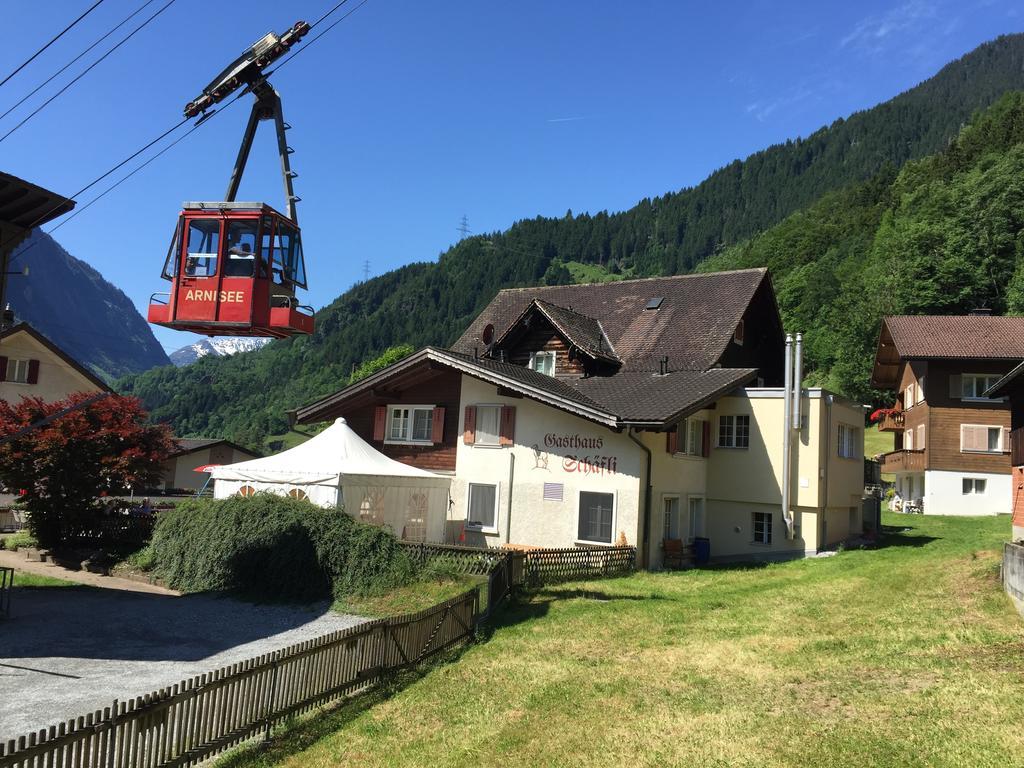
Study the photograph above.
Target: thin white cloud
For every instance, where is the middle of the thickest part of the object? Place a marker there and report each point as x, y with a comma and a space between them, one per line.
564, 119
871, 31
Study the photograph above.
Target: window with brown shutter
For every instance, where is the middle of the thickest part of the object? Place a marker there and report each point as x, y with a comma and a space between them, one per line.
33, 371
672, 440
437, 427
469, 425
380, 420
3, 368
982, 438
706, 439
508, 425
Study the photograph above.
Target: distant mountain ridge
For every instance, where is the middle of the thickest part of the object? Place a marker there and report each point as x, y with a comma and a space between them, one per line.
72, 304
432, 302
223, 346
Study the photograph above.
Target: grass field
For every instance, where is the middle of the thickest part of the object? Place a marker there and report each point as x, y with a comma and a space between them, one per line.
23, 579
907, 655
876, 442
415, 597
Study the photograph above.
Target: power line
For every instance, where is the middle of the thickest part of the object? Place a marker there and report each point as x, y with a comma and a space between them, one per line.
463, 228
63, 69
54, 40
313, 39
82, 74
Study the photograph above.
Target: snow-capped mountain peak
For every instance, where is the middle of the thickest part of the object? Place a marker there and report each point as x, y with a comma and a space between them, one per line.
220, 346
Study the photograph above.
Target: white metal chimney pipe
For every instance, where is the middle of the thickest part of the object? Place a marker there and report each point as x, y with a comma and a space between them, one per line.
787, 433
798, 377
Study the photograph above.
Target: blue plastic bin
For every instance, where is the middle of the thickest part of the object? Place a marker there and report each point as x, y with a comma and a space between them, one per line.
701, 550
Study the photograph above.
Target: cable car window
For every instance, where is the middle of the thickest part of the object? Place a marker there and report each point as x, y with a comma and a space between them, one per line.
203, 245
299, 270
279, 257
171, 264
266, 225
242, 255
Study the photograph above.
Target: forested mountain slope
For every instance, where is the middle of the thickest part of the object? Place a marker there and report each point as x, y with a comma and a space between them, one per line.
945, 235
75, 307
246, 397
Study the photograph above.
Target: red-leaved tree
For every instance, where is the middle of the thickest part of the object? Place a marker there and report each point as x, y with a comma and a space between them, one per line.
60, 468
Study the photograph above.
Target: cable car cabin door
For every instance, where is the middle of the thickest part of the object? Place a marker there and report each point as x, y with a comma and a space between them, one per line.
219, 258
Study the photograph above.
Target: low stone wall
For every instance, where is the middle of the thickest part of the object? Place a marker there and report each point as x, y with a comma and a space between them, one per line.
1013, 573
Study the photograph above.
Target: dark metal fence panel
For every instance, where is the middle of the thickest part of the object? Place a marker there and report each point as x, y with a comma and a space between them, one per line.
205, 715
6, 582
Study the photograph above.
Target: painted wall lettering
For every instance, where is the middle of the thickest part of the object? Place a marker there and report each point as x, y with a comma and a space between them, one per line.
552, 440
591, 465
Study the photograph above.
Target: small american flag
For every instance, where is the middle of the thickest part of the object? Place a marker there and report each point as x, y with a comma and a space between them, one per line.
553, 491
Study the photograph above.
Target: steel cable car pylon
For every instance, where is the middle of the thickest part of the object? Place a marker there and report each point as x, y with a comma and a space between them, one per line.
234, 266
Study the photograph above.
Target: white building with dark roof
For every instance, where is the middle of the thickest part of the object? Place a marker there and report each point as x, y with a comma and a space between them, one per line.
642, 411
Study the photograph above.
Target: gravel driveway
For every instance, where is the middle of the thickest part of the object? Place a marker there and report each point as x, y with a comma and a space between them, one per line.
68, 651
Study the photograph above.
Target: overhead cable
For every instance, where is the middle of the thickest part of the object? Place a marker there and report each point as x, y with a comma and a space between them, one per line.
54, 40
63, 69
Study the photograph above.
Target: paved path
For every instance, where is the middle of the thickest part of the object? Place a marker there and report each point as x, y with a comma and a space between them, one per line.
69, 651
17, 560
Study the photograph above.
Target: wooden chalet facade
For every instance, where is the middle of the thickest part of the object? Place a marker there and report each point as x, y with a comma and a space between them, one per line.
952, 441
638, 411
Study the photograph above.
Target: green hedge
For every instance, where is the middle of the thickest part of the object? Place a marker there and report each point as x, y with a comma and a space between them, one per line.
274, 548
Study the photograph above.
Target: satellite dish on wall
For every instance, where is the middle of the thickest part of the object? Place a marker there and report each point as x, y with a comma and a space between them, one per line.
488, 335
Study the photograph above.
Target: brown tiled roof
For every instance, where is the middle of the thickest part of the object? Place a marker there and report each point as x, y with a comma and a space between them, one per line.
957, 336
692, 327
583, 332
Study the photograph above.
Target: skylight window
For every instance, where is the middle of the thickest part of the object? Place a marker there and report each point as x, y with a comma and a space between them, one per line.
655, 303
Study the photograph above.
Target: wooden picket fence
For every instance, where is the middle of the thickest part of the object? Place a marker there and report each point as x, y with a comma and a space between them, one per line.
198, 718
476, 561
548, 566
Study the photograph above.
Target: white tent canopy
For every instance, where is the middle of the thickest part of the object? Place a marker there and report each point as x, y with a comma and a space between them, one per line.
337, 468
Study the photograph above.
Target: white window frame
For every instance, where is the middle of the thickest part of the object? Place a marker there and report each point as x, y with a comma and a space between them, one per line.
991, 378
908, 439
690, 430
389, 440
733, 430
665, 497
691, 530
974, 486
753, 528
909, 397
615, 515
497, 509
1002, 447
546, 355
497, 437
850, 443
16, 365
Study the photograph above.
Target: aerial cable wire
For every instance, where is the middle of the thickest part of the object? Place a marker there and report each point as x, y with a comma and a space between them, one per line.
54, 40
63, 69
81, 74
172, 129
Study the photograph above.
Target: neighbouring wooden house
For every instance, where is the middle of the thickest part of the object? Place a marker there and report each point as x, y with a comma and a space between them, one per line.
179, 469
952, 441
1011, 387
645, 411
33, 366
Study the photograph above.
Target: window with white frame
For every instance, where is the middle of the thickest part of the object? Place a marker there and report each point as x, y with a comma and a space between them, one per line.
908, 439
410, 423
920, 389
762, 527
488, 425
695, 523
850, 442
734, 431
981, 438
543, 362
974, 486
670, 523
482, 507
973, 385
17, 371
597, 517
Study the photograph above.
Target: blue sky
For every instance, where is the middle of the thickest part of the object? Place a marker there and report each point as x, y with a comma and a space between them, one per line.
409, 115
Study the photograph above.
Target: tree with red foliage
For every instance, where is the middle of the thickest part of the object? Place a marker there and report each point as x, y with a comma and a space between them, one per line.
61, 463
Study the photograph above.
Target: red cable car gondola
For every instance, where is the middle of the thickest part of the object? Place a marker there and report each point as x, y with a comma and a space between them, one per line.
234, 267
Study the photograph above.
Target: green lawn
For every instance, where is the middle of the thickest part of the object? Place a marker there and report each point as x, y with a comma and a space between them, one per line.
23, 579
907, 655
412, 598
876, 442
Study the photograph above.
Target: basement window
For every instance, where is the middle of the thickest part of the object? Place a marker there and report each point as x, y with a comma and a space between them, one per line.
762, 527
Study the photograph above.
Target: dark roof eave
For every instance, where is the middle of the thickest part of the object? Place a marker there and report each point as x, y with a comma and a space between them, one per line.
697, 405
999, 389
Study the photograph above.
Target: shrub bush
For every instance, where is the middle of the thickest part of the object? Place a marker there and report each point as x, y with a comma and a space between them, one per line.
20, 539
274, 548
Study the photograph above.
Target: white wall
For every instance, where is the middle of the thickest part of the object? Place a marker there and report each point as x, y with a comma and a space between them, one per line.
944, 494
57, 379
534, 521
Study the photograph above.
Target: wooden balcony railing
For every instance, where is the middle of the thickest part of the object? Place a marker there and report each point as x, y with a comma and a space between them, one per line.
903, 461
891, 422
1017, 447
